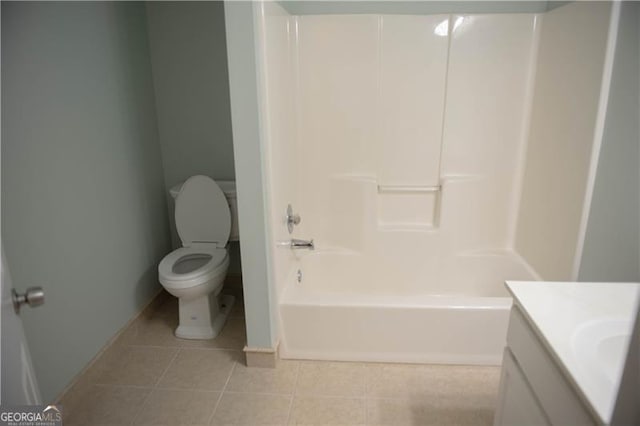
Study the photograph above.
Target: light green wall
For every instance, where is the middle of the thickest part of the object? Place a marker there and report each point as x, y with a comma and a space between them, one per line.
259, 301
191, 84
84, 212
189, 61
612, 243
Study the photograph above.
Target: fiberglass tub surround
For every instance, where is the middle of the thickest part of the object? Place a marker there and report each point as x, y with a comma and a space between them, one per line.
402, 143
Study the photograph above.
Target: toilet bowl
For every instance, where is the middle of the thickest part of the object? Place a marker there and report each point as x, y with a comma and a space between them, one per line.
195, 272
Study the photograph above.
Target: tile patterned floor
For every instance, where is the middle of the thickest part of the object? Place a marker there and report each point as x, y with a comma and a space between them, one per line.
149, 377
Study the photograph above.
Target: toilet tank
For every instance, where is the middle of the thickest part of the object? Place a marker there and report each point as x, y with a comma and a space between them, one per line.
229, 189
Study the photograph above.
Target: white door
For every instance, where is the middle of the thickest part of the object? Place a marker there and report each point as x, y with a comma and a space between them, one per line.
18, 385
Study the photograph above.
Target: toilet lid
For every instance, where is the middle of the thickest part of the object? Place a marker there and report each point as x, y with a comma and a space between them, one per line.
202, 212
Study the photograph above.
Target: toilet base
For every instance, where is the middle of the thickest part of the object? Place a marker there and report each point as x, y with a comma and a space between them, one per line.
203, 318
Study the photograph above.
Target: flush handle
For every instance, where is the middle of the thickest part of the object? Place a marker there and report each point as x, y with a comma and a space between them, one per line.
34, 296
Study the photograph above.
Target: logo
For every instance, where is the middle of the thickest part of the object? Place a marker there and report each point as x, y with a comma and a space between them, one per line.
31, 415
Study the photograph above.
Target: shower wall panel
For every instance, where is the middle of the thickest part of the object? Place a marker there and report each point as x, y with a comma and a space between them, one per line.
277, 84
337, 98
412, 124
488, 96
371, 101
337, 60
412, 70
568, 83
400, 140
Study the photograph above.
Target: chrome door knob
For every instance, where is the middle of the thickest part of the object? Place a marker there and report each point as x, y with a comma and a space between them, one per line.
34, 296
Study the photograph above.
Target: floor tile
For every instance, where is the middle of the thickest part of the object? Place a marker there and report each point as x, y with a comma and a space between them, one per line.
106, 405
281, 379
203, 369
151, 377
73, 396
131, 365
398, 412
252, 409
327, 411
178, 407
477, 385
153, 331
331, 379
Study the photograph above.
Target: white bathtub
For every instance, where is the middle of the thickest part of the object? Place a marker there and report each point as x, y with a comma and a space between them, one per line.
340, 312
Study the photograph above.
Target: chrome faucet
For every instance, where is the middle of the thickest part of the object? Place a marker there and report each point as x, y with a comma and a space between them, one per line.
297, 244
292, 219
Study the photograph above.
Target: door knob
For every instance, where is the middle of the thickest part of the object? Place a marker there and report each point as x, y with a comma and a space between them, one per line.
34, 296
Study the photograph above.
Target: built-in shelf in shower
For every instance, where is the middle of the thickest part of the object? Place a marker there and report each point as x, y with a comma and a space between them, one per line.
408, 189
408, 208
406, 227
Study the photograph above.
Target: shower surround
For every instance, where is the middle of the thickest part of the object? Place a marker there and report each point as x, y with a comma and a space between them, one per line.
403, 142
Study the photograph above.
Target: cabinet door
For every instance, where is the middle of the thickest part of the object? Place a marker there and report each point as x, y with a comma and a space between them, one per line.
517, 405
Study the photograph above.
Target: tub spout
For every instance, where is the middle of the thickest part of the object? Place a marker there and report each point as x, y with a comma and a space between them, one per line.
301, 244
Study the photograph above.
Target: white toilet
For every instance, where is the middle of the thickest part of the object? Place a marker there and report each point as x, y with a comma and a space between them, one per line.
195, 272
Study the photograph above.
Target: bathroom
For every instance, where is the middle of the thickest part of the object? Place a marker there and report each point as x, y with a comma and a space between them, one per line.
100, 238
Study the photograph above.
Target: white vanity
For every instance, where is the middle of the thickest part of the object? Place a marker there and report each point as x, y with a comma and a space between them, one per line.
566, 350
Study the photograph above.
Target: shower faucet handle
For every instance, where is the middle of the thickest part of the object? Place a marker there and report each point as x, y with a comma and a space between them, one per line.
292, 219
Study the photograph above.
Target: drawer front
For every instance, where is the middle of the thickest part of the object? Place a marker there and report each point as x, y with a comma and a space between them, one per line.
555, 394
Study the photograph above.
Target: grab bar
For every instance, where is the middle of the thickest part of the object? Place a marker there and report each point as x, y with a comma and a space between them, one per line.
408, 188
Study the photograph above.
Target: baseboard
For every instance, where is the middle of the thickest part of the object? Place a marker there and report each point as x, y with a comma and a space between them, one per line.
261, 357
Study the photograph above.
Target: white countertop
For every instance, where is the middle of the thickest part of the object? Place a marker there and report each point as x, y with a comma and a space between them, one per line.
587, 326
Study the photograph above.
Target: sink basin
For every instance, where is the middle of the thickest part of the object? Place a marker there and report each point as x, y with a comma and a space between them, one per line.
601, 345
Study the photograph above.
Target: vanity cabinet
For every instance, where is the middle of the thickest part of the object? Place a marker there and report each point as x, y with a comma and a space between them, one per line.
533, 388
518, 404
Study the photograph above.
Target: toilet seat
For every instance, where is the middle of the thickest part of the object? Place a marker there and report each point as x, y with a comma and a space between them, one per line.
217, 264
203, 222
202, 213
